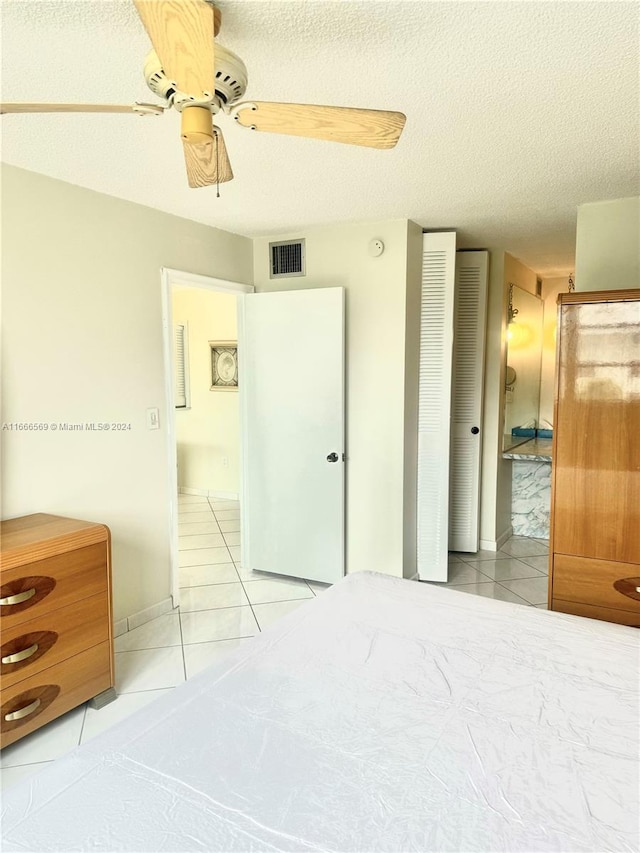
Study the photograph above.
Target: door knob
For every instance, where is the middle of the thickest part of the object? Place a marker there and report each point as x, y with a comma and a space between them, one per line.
475, 430
332, 457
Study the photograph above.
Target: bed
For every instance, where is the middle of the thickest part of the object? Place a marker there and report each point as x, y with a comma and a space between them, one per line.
385, 715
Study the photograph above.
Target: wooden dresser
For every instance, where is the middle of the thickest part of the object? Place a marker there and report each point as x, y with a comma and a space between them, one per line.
595, 490
55, 619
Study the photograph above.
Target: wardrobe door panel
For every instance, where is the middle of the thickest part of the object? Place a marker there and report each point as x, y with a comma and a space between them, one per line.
597, 446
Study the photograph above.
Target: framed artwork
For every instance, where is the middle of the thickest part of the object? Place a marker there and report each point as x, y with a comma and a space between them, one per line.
224, 365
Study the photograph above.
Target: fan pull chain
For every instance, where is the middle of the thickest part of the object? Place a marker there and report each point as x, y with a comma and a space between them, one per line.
217, 170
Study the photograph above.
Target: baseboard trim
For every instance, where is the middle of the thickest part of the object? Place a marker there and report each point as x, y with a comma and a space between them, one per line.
142, 616
209, 493
496, 544
120, 627
507, 534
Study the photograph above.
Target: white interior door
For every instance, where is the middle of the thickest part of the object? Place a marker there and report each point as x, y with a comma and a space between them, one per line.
467, 394
434, 406
291, 352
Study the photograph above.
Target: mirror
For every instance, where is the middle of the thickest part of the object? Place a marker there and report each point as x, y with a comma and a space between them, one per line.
524, 361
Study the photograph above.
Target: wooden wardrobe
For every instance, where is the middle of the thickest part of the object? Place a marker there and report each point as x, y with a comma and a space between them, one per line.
595, 490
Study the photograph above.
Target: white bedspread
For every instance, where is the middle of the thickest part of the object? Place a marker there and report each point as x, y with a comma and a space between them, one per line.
384, 716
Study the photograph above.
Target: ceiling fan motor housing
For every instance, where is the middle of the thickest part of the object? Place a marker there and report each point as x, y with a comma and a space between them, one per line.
231, 82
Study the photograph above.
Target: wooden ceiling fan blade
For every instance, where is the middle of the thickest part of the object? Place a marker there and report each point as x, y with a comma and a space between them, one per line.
372, 128
140, 109
207, 163
182, 33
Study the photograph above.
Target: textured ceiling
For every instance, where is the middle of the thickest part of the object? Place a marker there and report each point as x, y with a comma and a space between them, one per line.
516, 113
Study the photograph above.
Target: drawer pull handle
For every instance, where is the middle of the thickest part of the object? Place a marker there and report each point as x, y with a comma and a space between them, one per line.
19, 597
628, 587
16, 657
23, 712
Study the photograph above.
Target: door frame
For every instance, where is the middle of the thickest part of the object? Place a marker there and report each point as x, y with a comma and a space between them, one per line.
170, 278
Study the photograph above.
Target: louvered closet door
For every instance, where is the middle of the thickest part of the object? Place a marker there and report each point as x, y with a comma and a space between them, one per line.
436, 342
466, 399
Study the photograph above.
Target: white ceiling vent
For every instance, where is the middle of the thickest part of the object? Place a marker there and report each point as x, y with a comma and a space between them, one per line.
287, 258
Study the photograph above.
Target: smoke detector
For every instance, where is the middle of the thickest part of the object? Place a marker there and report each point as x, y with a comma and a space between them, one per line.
231, 82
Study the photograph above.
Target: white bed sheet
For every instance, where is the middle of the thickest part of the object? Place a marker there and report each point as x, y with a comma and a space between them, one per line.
385, 715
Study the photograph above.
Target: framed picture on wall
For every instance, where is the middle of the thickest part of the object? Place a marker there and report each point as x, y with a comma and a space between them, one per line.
224, 365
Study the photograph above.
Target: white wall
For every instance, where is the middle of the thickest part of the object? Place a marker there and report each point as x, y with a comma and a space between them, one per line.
519, 274
208, 432
82, 342
381, 355
608, 245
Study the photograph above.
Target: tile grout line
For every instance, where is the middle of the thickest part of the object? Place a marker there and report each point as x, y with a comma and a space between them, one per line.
147, 689
506, 588
226, 546
249, 600
531, 577
26, 764
222, 640
84, 719
530, 603
257, 603
253, 612
150, 649
214, 583
498, 559
184, 660
199, 548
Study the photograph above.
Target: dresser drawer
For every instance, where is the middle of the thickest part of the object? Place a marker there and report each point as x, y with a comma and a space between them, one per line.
606, 614
600, 583
44, 696
46, 585
35, 645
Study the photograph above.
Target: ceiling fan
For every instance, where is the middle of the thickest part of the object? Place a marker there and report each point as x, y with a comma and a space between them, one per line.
200, 78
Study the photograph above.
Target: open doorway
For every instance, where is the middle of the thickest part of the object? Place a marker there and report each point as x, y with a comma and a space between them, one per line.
200, 316
292, 482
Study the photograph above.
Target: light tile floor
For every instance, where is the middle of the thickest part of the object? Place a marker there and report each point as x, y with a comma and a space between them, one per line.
221, 605
518, 572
